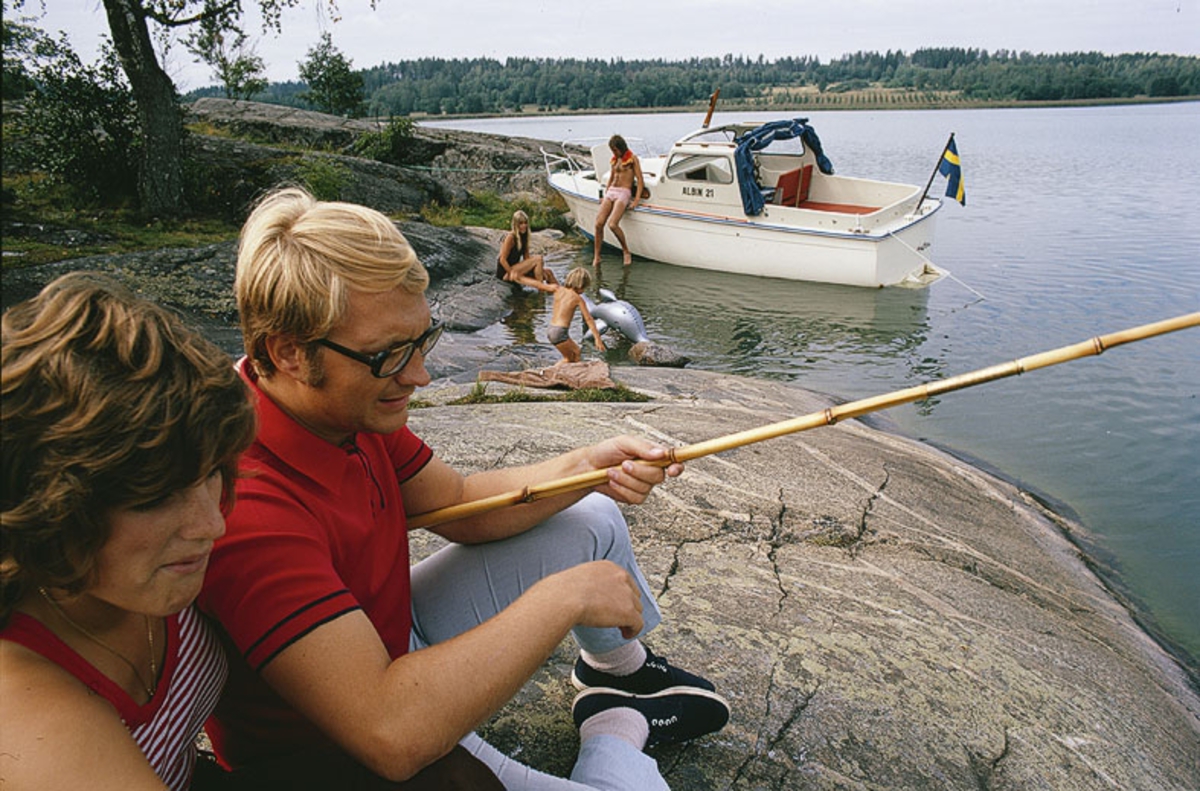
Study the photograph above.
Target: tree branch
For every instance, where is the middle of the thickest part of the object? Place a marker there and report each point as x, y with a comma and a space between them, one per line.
166, 17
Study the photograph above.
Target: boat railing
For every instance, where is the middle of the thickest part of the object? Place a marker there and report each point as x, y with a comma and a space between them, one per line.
578, 161
555, 161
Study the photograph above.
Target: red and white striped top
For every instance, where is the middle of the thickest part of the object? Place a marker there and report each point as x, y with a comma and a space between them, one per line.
167, 726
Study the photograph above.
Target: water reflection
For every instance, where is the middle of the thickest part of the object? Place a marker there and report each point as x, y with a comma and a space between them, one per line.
525, 317
779, 329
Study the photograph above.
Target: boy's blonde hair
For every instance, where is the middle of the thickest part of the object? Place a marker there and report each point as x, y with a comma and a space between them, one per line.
299, 257
578, 279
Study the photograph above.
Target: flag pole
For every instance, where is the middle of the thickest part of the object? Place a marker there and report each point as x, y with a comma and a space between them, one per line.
712, 105
933, 175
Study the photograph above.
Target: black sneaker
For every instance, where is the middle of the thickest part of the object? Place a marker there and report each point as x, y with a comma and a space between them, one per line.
654, 676
675, 715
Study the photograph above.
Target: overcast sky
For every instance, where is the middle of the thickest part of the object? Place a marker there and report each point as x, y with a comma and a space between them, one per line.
635, 29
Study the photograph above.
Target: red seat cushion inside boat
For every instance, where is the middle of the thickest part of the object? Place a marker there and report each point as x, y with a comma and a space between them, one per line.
792, 187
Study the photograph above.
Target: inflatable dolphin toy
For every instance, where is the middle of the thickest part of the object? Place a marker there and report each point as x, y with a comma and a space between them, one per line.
613, 312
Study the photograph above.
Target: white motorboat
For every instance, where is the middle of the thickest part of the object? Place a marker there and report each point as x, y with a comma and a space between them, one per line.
724, 199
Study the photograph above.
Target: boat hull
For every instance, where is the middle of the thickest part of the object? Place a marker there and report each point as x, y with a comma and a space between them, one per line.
883, 255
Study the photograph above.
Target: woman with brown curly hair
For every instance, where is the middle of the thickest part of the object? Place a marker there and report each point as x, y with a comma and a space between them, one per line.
122, 429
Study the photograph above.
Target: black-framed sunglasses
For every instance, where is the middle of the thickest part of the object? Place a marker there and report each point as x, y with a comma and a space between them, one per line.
392, 360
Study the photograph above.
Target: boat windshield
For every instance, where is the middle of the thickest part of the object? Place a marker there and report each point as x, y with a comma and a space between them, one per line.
700, 167
726, 133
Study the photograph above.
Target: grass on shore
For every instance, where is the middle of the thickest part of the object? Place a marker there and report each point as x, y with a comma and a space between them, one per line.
489, 210
44, 225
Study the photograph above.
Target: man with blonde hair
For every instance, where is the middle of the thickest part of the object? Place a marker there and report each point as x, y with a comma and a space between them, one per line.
339, 646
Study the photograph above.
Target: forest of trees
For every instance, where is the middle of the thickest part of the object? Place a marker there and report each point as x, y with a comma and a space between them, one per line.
114, 129
437, 86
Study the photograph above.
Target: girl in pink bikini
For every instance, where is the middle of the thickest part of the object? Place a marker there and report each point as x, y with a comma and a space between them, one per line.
619, 196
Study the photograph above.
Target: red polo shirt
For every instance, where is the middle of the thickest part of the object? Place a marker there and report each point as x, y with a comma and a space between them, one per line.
317, 531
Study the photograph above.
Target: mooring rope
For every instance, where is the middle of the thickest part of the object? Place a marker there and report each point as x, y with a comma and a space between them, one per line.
927, 260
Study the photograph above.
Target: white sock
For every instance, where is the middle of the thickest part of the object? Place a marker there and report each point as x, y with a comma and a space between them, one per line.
622, 722
623, 661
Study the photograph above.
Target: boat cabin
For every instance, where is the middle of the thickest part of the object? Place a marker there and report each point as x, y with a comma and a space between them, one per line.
755, 170
761, 199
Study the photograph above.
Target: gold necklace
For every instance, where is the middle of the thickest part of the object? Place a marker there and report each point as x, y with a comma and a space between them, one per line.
150, 688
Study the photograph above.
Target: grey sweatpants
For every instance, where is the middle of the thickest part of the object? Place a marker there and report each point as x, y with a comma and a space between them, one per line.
462, 586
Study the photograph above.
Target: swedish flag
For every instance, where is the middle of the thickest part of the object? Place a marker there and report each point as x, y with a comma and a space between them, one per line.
951, 168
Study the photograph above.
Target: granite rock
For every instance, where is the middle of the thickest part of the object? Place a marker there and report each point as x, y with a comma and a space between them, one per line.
458, 160
879, 614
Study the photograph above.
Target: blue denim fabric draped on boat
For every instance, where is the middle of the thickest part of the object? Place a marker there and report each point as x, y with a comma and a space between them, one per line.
761, 137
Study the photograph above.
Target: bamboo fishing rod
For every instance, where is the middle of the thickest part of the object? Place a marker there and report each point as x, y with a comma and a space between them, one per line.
826, 417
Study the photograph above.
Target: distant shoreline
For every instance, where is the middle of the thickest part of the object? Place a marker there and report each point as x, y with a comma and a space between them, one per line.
785, 109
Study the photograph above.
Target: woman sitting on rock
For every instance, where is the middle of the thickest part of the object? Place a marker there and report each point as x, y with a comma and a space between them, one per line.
516, 265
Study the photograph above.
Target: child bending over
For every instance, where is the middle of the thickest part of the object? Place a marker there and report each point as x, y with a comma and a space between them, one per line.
567, 298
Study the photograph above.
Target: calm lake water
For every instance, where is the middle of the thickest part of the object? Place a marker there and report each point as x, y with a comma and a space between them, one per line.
1079, 222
